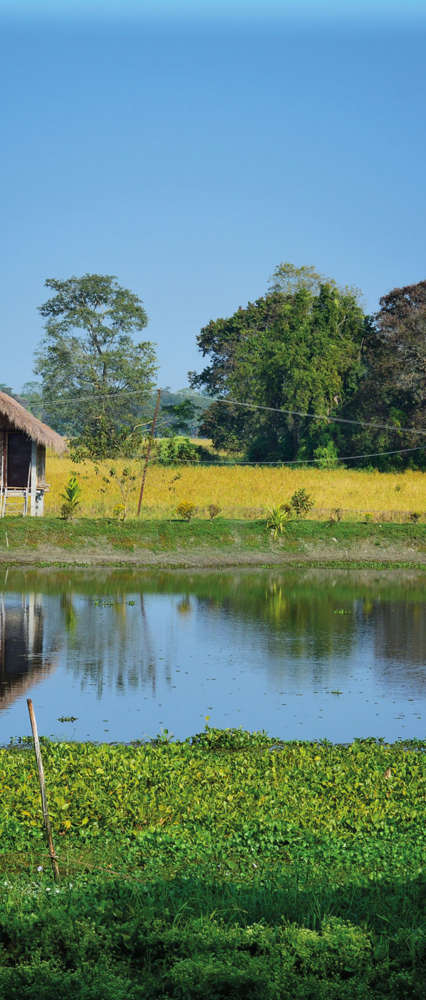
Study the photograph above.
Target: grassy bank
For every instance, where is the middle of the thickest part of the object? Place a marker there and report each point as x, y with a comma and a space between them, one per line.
230, 865
209, 543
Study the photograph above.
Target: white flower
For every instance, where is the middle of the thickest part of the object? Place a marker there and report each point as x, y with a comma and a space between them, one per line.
39, 868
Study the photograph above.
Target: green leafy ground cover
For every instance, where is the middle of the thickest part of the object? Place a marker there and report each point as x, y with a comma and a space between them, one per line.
51, 539
230, 865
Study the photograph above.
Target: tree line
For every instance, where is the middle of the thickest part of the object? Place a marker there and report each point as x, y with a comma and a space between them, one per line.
323, 370
301, 374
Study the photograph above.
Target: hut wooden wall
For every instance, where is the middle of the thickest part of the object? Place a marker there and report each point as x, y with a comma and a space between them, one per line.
2, 456
41, 465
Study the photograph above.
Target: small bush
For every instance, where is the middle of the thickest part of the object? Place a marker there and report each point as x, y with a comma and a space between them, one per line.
71, 498
301, 502
186, 510
125, 483
414, 516
326, 456
277, 518
171, 451
213, 510
335, 515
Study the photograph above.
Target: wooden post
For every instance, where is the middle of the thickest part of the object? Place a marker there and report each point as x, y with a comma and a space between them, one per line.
148, 450
46, 820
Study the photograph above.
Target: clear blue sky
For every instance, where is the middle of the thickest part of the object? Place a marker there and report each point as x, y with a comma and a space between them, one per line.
189, 148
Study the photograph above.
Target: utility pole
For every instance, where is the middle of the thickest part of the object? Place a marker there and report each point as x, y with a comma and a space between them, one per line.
148, 450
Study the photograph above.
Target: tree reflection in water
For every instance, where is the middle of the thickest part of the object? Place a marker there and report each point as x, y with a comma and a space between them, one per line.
400, 635
109, 643
115, 637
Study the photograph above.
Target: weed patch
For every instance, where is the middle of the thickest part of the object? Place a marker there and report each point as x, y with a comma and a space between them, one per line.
229, 865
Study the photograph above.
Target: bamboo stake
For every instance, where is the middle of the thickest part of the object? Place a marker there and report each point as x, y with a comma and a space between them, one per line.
46, 820
148, 450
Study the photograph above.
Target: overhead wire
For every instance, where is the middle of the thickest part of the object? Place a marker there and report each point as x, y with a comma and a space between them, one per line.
321, 416
308, 461
252, 406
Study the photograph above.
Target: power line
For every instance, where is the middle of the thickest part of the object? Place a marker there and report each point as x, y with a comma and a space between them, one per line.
234, 402
320, 416
59, 400
308, 461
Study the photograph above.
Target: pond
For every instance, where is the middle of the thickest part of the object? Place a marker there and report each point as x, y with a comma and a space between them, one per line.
115, 655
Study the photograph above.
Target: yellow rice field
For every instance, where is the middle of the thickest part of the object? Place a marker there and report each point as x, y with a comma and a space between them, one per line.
241, 491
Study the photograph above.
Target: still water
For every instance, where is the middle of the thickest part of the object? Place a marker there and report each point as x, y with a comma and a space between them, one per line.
303, 655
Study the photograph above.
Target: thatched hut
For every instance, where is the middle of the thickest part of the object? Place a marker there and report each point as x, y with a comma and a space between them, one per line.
23, 443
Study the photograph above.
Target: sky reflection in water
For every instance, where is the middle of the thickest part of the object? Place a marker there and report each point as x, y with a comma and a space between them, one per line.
306, 655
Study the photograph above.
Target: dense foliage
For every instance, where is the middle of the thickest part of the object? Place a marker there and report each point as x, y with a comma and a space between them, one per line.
393, 387
306, 347
95, 378
231, 865
181, 412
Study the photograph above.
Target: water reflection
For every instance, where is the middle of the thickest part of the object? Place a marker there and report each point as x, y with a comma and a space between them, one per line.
245, 646
322, 624
23, 661
400, 635
110, 643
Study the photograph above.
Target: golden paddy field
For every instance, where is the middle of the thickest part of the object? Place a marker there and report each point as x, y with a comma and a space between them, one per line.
239, 491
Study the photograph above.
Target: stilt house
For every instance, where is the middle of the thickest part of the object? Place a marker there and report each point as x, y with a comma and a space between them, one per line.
23, 443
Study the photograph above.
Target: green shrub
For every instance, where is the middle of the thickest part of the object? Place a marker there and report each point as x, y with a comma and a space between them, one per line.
124, 483
71, 498
326, 456
171, 451
186, 510
277, 518
301, 503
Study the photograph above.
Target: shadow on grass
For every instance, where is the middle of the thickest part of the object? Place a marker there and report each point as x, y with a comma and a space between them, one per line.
185, 938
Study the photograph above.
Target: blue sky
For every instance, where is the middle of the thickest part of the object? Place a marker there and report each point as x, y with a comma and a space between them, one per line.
189, 152
214, 9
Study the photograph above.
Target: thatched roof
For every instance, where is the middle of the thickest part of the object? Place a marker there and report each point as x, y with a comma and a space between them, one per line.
22, 420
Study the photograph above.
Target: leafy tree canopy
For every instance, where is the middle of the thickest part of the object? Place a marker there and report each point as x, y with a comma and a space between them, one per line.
296, 348
393, 389
95, 378
180, 412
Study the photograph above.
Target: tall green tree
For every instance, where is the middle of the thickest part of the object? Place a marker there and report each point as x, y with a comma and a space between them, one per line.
96, 379
295, 349
393, 388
